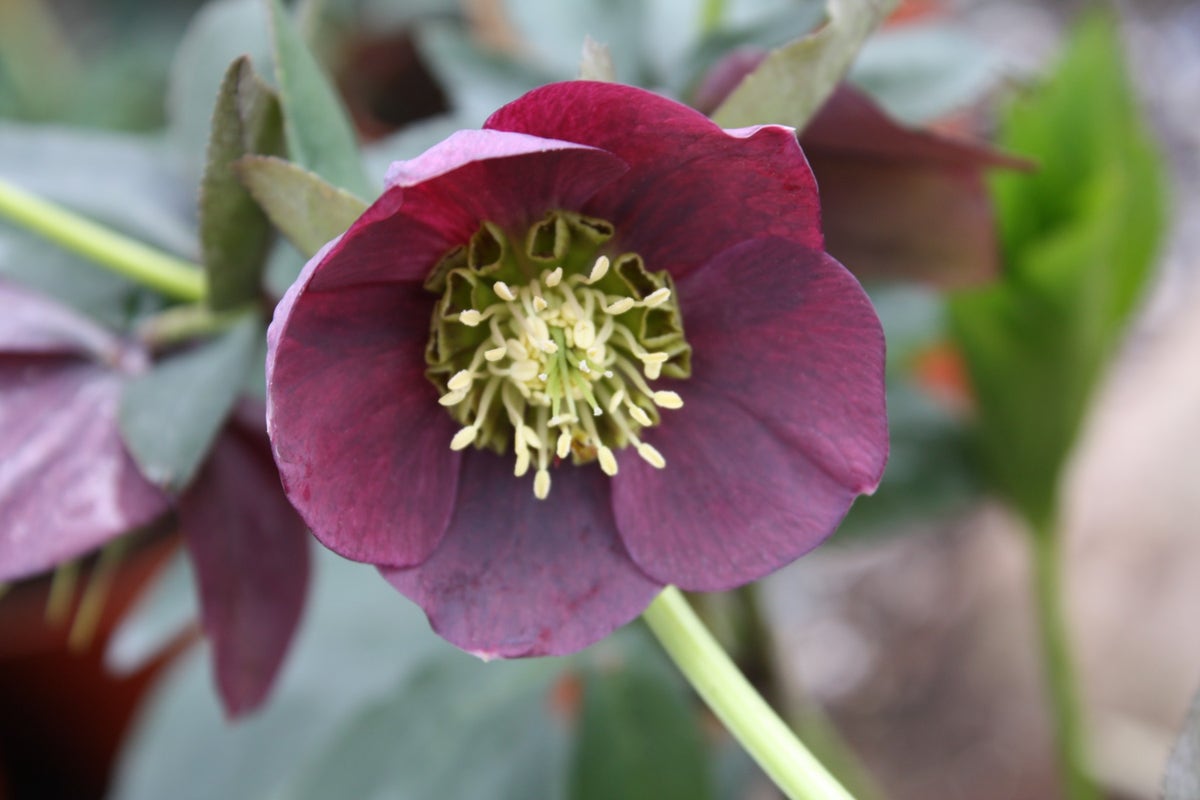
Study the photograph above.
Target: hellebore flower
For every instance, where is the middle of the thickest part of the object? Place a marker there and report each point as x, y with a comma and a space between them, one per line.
68, 485
625, 306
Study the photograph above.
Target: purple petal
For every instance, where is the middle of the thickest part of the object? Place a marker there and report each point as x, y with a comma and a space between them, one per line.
362, 445
67, 485
692, 189
31, 323
437, 200
516, 576
783, 422
250, 552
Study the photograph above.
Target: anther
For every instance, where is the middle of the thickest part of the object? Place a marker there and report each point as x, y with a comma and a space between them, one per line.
668, 400
554, 277
525, 371
615, 402
585, 334
652, 456
503, 292
657, 297
530, 436
539, 303
461, 380
599, 269
452, 398
620, 307
608, 462
496, 353
522, 465
563, 446
464, 438
541, 484
652, 369
470, 317
639, 414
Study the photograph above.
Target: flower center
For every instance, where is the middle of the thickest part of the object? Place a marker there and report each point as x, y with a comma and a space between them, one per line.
550, 346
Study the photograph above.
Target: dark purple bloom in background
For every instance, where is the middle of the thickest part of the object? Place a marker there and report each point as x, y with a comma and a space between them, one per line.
604, 289
68, 486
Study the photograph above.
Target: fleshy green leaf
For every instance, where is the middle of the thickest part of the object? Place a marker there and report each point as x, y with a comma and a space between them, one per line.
1182, 781
171, 414
319, 133
457, 730
1079, 238
794, 80
638, 738
305, 208
234, 233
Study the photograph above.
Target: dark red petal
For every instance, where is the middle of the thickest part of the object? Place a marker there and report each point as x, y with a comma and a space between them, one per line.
362, 445
517, 576
250, 552
437, 200
900, 203
67, 485
783, 422
692, 189
31, 323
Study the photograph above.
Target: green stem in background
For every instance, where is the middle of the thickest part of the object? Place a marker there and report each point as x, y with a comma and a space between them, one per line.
164, 273
181, 323
711, 15
62, 592
731, 697
1061, 685
91, 605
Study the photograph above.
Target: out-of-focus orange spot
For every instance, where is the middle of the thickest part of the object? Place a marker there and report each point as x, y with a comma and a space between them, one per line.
566, 697
940, 370
916, 11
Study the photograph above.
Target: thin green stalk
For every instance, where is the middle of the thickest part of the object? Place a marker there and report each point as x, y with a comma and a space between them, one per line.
1061, 684
711, 14
91, 605
731, 697
164, 273
62, 592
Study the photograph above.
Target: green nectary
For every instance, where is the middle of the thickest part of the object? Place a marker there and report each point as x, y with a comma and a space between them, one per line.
546, 342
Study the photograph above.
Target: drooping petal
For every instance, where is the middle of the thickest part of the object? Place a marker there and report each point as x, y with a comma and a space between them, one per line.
692, 189
900, 203
516, 576
361, 442
436, 201
251, 555
32, 323
783, 422
67, 484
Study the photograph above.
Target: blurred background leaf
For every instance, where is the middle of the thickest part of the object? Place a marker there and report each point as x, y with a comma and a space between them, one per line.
1079, 238
1182, 781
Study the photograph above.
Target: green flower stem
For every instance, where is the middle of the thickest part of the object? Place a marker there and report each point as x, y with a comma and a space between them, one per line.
1062, 686
162, 272
731, 697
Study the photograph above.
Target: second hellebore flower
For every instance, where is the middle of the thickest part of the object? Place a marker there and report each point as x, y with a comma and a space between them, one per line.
626, 307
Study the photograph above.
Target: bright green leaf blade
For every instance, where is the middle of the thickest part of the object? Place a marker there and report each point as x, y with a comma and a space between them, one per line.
170, 415
794, 80
638, 738
305, 208
234, 232
458, 730
319, 133
1182, 781
1079, 240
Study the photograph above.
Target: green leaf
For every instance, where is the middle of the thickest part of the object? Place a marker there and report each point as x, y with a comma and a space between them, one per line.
219, 33
170, 415
162, 613
457, 730
319, 133
234, 232
638, 738
357, 642
794, 80
1182, 781
305, 208
1079, 238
